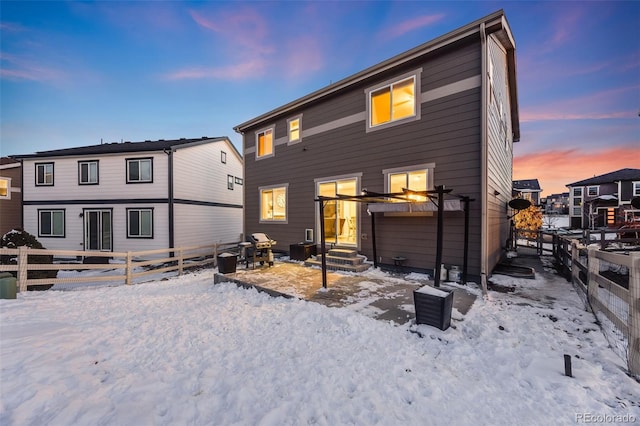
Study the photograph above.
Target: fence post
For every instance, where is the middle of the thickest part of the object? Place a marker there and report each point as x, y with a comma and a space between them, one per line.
594, 268
633, 355
23, 268
603, 241
215, 255
129, 269
180, 258
575, 253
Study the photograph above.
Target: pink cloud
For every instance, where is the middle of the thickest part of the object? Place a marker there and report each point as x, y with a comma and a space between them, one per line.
232, 72
18, 68
557, 168
303, 56
598, 105
411, 25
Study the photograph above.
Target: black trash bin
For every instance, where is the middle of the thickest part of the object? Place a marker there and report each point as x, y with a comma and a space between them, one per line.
227, 263
433, 306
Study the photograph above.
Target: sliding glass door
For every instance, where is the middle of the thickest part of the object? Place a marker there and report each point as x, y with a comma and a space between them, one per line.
340, 217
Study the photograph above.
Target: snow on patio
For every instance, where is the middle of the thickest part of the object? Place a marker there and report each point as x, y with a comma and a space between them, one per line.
185, 351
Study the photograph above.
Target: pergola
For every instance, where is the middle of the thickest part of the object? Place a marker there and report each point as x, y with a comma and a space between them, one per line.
378, 202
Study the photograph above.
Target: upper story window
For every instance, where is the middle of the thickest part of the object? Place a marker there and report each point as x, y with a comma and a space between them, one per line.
393, 102
592, 191
88, 172
414, 178
264, 143
238, 181
44, 174
5, 188
576, 201
51, 223
295, 133
223, 157
139, 170
636, 189
230, 181
273, 204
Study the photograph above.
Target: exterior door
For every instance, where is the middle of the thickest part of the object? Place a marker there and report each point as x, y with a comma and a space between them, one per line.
97, 230
340, 217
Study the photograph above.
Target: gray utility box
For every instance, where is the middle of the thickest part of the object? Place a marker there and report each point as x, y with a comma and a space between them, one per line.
8, 288
433, 306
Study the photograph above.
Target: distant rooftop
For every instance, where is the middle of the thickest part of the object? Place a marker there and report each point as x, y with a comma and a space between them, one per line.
527, 185
618, 175
121, 147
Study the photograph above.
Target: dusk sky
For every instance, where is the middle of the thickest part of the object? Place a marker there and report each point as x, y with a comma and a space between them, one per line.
78, 73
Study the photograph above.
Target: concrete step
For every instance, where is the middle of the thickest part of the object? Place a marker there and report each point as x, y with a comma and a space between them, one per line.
338, 263
338, 252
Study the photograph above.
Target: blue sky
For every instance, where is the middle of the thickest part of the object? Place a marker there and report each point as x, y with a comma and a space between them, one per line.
76, 73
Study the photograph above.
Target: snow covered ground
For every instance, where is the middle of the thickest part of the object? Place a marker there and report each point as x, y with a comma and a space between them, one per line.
186, 351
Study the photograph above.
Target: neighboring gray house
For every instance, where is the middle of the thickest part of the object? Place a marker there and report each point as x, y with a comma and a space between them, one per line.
529, 189
10, 196
134, 196
557, 204
443, 113
604, 200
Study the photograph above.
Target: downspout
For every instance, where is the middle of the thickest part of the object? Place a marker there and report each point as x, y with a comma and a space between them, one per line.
169, 153
484, 164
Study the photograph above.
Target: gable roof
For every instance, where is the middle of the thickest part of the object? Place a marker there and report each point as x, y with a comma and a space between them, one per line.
527, 184
618, 175
495, 23
127, 147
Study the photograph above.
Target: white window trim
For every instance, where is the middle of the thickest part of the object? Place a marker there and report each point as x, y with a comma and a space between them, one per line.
597, 187
294, 141
636, 193
417, 91
8, 196
271, 128
429, 167
572, 197
286, 203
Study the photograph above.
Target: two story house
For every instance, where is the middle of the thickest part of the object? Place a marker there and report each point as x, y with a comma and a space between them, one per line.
10, 195
557, 204
529, 189
604, 200
443, 113
134, 195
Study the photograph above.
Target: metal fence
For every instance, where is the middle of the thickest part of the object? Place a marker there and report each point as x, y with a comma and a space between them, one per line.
111, 268
609, 284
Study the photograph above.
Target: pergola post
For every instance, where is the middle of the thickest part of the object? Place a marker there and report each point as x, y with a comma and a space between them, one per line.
323, 245
373, 239
436, 272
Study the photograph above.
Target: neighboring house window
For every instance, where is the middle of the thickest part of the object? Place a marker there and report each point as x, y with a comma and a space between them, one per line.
239, 181
273, 204
44, 174
636, 189
139, 170
264, 143
140, 223
394, 101
527, 196
294, 125
5, 188
223, 157
592, 191
51, 223
414, 178
88, 172
230, 182
576, 202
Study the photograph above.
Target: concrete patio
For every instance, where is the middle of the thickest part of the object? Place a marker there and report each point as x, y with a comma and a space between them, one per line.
378, 294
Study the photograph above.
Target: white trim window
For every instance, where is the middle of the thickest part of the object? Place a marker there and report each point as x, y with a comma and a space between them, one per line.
273, 203
88, 172
44, 174
5, 188
139, 170
636, 188
593, 191
294, 126
418, 177
51, 223
394, 102
264, 143
576, 201
140, 223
